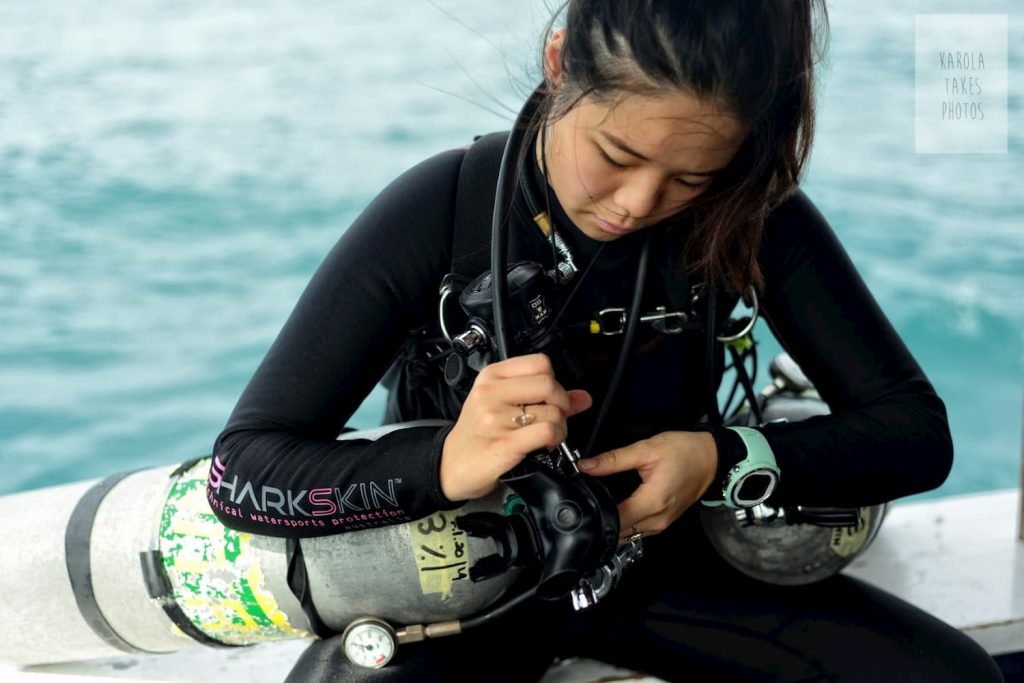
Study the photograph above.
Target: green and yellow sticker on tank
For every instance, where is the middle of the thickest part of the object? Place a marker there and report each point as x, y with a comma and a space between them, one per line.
217, 582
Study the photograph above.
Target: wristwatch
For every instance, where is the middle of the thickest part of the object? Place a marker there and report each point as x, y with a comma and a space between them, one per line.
754, 478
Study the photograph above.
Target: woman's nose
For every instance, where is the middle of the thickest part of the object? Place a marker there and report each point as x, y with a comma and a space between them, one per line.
639, 195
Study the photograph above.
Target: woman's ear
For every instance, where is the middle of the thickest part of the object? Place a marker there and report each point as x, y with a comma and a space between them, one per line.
553, 58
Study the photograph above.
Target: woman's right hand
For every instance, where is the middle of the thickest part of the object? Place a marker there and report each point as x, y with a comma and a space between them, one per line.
487, 440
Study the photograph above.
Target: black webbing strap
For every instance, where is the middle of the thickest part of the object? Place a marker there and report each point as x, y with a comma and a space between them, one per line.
77, 545
298, 582
186, 466
474, 205
160, 589
158, 584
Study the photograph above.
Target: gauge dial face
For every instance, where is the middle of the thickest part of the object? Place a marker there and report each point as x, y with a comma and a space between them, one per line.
369, 644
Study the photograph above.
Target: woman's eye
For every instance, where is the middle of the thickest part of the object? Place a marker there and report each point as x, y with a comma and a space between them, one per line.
689, 185
610, 161
614, 164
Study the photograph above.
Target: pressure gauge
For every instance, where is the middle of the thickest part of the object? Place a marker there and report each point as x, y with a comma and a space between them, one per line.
369, 642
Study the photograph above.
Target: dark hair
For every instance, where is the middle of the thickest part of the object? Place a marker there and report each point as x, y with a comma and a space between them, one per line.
752, 58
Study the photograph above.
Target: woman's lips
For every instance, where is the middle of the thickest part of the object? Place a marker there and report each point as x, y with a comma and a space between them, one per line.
612, 227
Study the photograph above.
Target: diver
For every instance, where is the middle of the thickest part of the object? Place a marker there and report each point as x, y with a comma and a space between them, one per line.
659, 169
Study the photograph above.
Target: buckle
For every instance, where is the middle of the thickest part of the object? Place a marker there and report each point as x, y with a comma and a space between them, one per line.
612, 321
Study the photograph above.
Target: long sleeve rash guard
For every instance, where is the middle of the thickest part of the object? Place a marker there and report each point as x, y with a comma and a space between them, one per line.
279, 469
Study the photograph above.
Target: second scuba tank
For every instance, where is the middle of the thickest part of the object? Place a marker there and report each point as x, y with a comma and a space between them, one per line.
790, 545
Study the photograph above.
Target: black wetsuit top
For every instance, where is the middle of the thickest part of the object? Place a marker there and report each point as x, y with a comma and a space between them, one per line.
279, 469
682, 613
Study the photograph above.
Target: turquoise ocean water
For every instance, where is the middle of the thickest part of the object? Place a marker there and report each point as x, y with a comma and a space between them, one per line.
171, 174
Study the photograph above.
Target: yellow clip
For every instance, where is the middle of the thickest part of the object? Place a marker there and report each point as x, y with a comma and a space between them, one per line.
741, 344
595, 327
543, 222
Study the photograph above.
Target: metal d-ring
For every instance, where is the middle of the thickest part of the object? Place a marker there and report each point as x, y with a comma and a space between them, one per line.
750, 325
446, 289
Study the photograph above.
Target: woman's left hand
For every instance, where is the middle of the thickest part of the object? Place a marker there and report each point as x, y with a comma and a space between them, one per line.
676, 469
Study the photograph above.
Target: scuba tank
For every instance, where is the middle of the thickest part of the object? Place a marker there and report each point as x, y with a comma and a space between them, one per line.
789, 545
137, 562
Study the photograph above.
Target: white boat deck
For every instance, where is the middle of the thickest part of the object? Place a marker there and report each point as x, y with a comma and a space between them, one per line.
958, 558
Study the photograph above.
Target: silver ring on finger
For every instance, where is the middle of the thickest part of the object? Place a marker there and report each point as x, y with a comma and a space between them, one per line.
523, 418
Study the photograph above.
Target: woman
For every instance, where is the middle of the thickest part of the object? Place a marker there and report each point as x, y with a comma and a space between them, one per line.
680, 128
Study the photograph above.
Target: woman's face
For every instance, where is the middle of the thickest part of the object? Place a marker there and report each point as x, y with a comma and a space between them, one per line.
622, 168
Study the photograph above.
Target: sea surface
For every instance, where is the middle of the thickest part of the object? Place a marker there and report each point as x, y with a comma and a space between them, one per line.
172, 172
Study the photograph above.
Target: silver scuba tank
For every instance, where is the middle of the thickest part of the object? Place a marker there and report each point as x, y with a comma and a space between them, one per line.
138, 563
790, 545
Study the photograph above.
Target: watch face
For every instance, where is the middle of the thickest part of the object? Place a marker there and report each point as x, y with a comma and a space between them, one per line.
370, 645
754, 488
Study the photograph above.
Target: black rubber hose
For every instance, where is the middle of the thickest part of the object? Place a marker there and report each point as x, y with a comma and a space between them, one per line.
748, 386
492, 614
714, 416
499, 223
627, 343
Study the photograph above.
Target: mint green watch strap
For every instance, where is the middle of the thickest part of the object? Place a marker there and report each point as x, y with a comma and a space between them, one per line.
759, 453
759, 458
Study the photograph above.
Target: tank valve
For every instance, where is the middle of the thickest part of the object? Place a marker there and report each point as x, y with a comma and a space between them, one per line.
469, 341
768, 516
593, 588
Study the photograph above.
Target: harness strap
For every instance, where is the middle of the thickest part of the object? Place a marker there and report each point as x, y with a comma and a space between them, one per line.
474, 205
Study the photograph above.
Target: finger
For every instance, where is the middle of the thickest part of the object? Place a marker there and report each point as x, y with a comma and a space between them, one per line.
634, 511
496, 413
648, 527
579, 400
616, 460
628, 535
531, 390
536, 436
535, 413
518, 366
